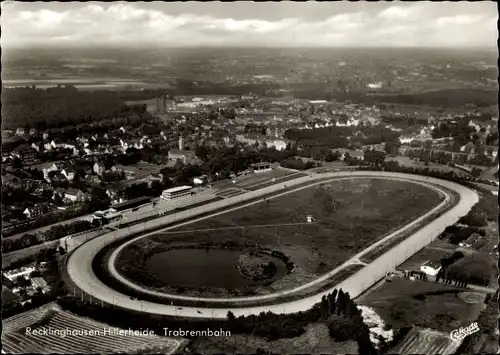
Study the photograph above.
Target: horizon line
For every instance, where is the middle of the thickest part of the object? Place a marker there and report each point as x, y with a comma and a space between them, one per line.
153, 47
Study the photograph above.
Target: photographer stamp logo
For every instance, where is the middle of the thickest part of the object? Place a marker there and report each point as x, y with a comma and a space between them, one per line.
461, 333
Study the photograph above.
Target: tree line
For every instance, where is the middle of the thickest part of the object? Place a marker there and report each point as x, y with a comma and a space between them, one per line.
333, 137
53, 233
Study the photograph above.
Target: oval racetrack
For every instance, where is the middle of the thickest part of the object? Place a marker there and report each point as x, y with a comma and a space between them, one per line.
79, 263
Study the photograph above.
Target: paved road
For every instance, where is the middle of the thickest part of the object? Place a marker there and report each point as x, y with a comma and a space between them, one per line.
80, 270
45, 228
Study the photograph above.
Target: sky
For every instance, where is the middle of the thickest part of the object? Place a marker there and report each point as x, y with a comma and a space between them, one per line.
284, 24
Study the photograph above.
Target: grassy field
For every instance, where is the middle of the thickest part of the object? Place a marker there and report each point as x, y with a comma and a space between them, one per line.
406, 161
403, 303
359, 213
315, 340
351, 215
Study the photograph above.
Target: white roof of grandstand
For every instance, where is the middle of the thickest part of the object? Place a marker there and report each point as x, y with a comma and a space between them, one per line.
178, 188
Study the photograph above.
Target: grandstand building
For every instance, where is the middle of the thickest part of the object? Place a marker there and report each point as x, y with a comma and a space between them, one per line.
176, 192
261, 167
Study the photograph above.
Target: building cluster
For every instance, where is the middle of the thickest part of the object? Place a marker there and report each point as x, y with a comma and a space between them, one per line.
19, 285
71, 165
82, 164
479, 145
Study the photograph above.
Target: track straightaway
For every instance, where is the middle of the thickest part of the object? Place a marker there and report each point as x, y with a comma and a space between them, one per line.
79, 263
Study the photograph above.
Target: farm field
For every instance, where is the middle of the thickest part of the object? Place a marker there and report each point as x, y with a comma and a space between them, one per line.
425, 341
90, 335
403, 303
350, 215
315, 340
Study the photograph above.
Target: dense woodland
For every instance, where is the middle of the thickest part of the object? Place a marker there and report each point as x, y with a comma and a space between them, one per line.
446, 98
62, 106
59, 107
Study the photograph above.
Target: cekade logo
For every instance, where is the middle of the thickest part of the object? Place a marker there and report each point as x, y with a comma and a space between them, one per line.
461, 333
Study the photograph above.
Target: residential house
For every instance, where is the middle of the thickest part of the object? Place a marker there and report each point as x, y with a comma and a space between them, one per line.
354, 154
55, 177
242, 120
430, 268
9, 297
469, 242
74, 195
99, 168
58, 193
20, 132
48, 146
25, 153
37, 146
475, 124
186, 156
11, 181
112, 193
279, 144
48, 169
69, 173
33, 212
39, 282
155, 177
72, 147
250, 139
130, 171
468, 148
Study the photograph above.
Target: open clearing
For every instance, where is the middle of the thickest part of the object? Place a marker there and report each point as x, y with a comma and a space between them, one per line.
350, 215
403, 303
408, 162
